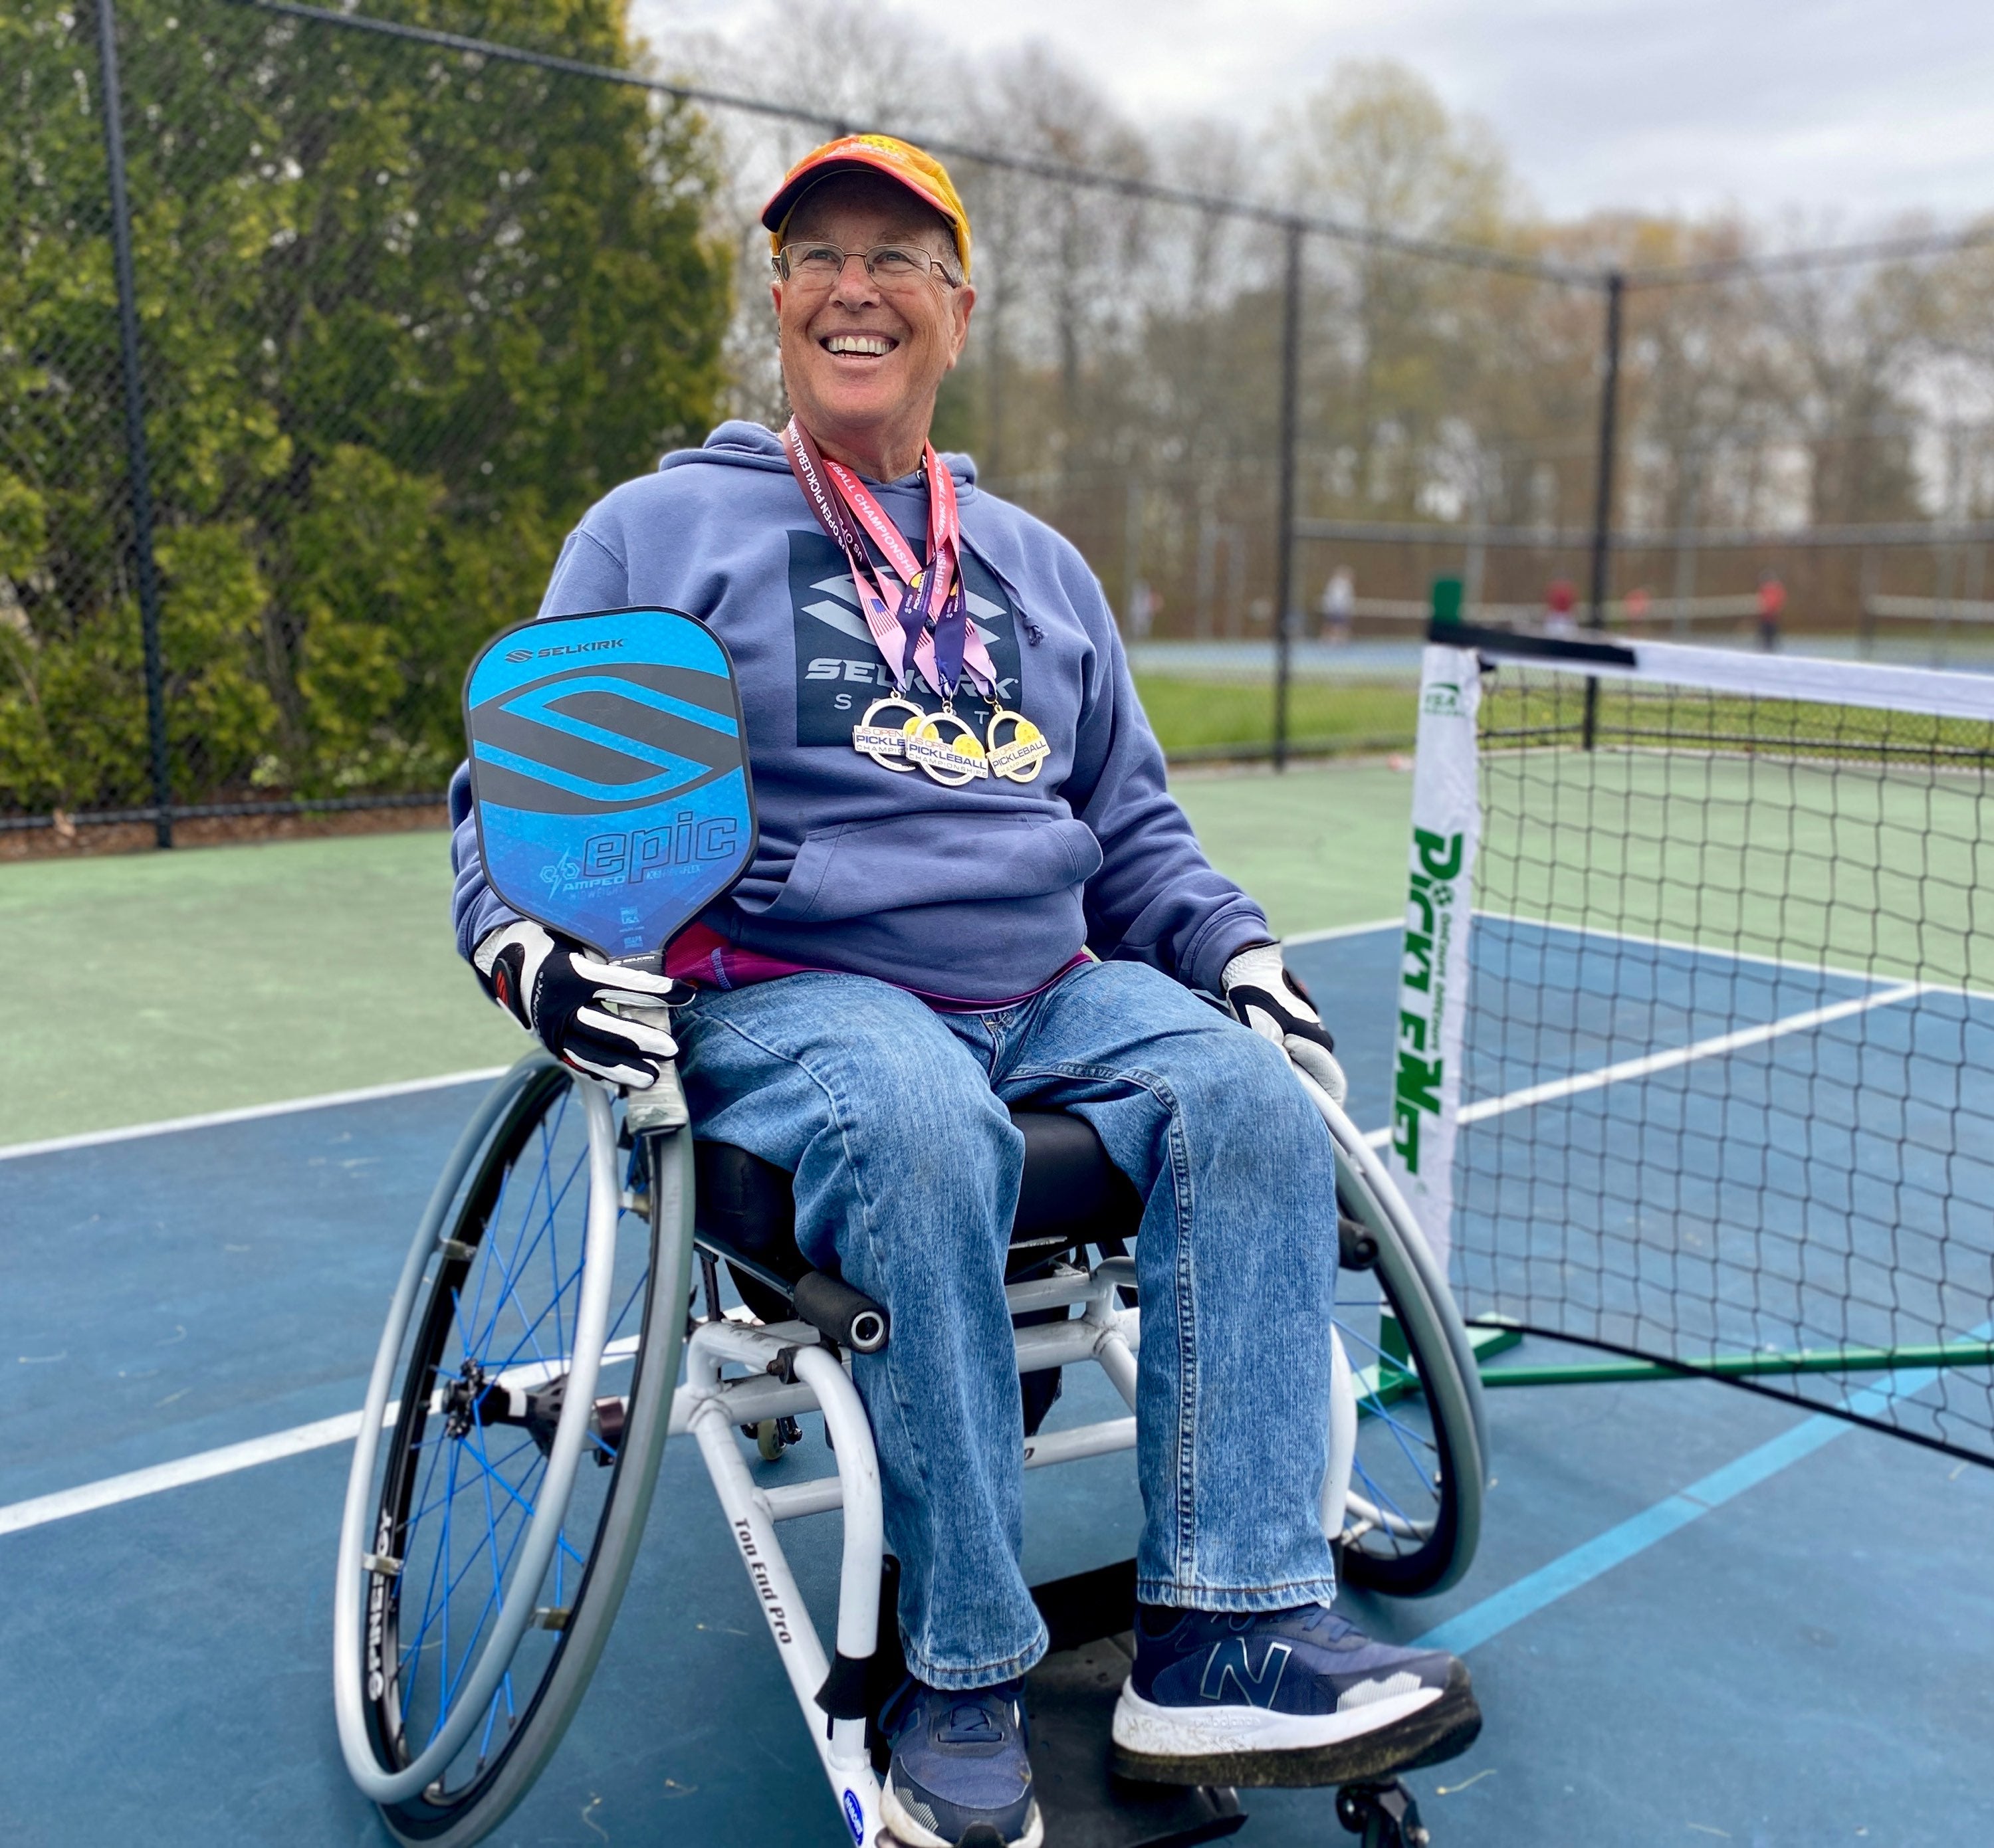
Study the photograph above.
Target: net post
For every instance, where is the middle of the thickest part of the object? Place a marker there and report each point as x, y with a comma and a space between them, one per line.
1602, 501
1433, 978
138, 463
1284, 540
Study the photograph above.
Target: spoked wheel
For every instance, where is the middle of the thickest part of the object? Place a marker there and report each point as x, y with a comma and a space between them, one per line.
535, 1344
1413, 1518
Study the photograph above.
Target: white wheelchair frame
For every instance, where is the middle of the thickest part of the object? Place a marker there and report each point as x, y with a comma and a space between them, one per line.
787, 1368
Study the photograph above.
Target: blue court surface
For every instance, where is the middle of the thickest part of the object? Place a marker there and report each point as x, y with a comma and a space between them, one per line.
1685, 1150
1697, 1615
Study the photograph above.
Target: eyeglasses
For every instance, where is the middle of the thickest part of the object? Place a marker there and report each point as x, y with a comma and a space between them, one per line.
898, 266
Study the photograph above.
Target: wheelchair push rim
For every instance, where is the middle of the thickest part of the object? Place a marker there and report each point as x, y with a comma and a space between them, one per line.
1413, 1518
1411, 1513
480, 1555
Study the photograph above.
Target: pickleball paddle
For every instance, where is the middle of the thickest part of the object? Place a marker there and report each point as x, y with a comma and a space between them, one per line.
609, 774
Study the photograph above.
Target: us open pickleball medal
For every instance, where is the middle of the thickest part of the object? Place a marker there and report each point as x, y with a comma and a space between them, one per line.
1021, 756
886, 744
954, 761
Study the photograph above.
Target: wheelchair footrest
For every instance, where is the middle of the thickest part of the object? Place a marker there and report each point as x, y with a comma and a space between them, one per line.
1070, 1700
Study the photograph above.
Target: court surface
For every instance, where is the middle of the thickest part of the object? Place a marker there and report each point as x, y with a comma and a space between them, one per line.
1697, 1616
1682, 1149
227, 978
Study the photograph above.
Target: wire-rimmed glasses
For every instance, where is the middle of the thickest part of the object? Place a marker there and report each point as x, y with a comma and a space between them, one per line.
819, 264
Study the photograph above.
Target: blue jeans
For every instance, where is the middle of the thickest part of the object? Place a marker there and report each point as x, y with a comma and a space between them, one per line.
892, 1117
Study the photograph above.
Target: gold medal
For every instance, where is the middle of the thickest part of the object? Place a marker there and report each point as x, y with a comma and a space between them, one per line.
953, 762
1021, 756
886, 744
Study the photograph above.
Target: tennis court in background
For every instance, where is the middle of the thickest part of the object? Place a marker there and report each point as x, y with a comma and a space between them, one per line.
1729, 1055
1697, 1615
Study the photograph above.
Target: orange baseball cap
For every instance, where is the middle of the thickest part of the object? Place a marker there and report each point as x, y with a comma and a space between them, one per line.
913, 168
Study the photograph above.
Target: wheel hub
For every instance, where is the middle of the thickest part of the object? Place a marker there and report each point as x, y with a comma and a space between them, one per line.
460, 1397
475, 1401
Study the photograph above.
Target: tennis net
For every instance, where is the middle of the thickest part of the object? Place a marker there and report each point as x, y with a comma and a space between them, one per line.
1703, 1074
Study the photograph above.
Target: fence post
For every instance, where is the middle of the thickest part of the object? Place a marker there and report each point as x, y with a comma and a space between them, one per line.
136, 461
1602, 503
1284, 556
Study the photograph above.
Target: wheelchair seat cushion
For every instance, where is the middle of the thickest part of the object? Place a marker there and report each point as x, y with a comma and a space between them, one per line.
1071, 1194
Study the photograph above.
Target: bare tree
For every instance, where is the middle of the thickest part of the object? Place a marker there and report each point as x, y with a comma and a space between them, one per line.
1122, 374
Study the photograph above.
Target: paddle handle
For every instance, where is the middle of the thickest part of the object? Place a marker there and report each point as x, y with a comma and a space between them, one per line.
663, 1105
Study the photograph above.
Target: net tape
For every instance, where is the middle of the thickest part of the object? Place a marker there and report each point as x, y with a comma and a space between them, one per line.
1725, 1079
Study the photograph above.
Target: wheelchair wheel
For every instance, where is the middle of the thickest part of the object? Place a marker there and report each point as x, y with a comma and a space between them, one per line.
1413, 1518
535, 1343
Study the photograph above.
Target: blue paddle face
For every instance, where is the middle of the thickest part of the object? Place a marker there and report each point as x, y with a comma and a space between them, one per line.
609, 773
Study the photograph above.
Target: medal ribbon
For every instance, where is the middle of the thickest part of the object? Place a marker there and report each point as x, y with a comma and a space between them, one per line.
879, 607
907, 609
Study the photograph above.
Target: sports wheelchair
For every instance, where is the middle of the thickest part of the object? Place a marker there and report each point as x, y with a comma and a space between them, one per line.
560, 1317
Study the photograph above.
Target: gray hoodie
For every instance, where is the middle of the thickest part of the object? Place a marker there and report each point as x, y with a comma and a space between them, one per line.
980, 894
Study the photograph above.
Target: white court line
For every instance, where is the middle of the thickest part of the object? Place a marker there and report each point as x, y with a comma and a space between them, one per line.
1734, 956
200, 1467
204, 1465
1345, 930
250, 1113
230, 1458
1651, 1062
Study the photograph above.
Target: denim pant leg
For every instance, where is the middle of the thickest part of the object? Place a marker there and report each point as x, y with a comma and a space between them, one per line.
1237, 1264
906, 1172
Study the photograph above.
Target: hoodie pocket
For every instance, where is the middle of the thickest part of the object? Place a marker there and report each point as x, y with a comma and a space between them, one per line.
902, 860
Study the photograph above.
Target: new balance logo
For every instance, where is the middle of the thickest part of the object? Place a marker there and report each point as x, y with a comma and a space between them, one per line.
1228, 1662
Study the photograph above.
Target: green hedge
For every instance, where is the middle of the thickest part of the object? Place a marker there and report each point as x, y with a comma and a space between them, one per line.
404, 314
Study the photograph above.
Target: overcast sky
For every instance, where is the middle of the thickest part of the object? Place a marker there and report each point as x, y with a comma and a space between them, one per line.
1848, 111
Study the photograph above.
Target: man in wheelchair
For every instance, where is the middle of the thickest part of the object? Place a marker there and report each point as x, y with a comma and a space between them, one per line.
972, 892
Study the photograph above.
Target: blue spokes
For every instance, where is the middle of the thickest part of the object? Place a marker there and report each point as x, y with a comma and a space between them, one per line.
1397, 1460
476, 1445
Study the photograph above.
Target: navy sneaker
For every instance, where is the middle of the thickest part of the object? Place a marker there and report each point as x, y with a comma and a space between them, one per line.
960, 1776
1283, 1697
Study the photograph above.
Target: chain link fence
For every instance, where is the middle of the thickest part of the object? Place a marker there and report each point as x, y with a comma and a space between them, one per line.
398, 317
399, 306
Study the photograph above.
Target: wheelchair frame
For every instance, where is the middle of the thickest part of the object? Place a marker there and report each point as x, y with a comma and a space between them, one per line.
791, 1367
711, 1407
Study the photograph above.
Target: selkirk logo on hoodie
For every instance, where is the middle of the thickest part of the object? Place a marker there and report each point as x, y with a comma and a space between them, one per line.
839, 672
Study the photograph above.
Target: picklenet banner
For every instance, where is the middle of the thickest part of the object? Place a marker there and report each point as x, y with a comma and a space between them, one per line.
1433, 970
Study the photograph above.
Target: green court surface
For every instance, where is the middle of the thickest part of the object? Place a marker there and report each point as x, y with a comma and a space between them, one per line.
156, 985
1318, 847
1760, 856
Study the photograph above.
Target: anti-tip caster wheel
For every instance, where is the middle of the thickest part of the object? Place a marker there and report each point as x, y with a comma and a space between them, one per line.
774, 1436
1383, 1815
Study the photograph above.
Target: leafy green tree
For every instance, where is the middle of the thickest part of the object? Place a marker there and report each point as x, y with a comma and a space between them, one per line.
404, 312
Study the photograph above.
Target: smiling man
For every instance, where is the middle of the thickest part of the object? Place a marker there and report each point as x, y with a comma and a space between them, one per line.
973, 890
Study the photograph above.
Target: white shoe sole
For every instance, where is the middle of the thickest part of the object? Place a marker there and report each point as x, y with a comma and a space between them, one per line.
911, 1834
1203, 1731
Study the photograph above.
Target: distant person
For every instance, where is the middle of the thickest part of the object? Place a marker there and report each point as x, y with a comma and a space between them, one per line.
1143, 604
1338, 605
1558, 618
1638, 605
1772, 605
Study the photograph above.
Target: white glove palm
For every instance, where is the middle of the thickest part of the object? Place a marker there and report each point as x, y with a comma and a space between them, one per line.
596, 1017
1266, 997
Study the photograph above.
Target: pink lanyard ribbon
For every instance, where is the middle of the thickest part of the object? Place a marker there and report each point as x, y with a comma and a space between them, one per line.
905, 607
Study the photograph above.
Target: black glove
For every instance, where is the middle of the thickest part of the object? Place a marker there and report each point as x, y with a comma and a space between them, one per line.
1263, 994
595, 1017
